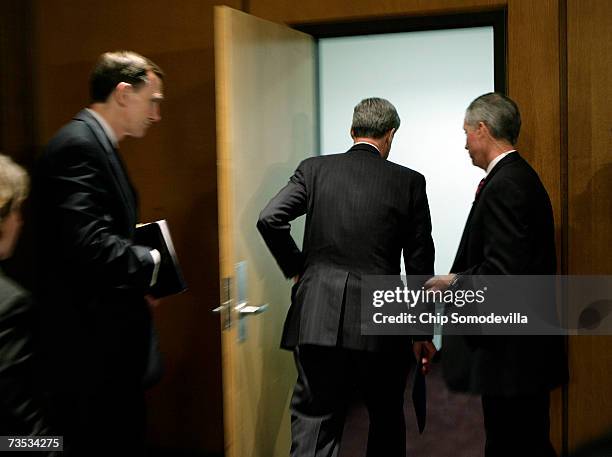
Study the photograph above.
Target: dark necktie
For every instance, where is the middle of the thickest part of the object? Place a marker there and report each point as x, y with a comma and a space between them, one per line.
479, 188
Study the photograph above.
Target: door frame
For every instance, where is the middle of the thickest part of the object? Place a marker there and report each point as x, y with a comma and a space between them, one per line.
497, 18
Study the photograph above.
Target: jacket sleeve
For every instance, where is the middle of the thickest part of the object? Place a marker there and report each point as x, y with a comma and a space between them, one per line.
75, 187
418, 249
275, 228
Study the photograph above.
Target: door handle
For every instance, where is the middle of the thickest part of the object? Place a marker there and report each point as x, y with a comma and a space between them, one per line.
244, 309
224, 305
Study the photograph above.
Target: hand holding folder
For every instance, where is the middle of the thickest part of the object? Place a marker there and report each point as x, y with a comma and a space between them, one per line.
424, 352
419, 396
170, 279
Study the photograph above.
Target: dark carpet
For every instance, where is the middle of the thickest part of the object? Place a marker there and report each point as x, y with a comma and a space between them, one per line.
454, 424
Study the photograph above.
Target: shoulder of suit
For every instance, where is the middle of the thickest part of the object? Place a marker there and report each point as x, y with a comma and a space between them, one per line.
404, 169
519, 176
75, 131
518, 169
401, 170
319, 160
75, 135
11, 294
324, 157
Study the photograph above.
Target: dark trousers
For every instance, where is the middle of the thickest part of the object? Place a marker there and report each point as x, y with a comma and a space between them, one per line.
517, 425
105, 422
326, 378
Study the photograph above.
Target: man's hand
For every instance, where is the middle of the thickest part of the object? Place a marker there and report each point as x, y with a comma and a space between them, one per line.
296, 278
440, 282
424, 352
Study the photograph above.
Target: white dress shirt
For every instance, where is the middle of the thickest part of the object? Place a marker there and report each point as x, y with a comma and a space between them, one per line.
112, 137
496, 160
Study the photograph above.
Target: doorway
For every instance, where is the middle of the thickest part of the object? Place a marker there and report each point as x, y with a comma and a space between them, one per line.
430, 76
269, 102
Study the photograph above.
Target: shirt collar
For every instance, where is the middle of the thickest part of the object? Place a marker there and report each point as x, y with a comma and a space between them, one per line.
108, 130
366, 142
496, 160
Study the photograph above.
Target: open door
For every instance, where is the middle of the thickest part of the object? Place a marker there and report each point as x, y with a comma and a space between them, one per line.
265, 89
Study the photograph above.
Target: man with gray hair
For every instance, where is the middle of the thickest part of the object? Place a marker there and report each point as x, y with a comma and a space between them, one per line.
510, 231
361, 211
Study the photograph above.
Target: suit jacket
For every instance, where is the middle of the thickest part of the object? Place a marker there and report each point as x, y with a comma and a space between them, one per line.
91, 278
509, 231
361, 212
21, 400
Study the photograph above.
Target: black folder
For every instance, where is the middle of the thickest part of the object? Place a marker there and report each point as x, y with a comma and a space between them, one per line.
156, 235
419, 396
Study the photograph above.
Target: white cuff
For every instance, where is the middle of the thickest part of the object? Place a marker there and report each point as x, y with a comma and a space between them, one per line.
157, 260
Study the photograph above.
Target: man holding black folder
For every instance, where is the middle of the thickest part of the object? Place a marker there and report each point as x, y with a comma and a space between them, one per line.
361, 211
93, 281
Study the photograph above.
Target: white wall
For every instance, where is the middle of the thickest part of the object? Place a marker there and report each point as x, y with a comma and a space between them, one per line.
430, 77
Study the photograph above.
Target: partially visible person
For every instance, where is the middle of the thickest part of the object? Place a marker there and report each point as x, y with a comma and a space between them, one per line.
21, 405
509, 231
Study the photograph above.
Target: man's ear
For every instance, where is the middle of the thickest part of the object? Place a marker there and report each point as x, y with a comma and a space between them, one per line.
121, 93
352, 134
483, 129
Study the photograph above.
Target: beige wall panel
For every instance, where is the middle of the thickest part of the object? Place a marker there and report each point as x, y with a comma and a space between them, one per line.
589, 39
533, 82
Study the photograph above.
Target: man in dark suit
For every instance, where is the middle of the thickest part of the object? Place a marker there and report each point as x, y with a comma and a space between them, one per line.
92, 279
361, 213
509, 231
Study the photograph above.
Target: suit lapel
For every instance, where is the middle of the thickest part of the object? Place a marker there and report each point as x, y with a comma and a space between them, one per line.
462, 244
118, 171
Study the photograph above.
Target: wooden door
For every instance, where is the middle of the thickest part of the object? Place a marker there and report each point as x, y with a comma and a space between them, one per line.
265, 89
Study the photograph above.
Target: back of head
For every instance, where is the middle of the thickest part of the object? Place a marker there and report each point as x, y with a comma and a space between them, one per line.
113, 68
373, 117
14, 186
499, 113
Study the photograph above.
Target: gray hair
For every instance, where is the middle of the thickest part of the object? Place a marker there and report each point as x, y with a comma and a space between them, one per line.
499, 113
14, 186
373, 117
